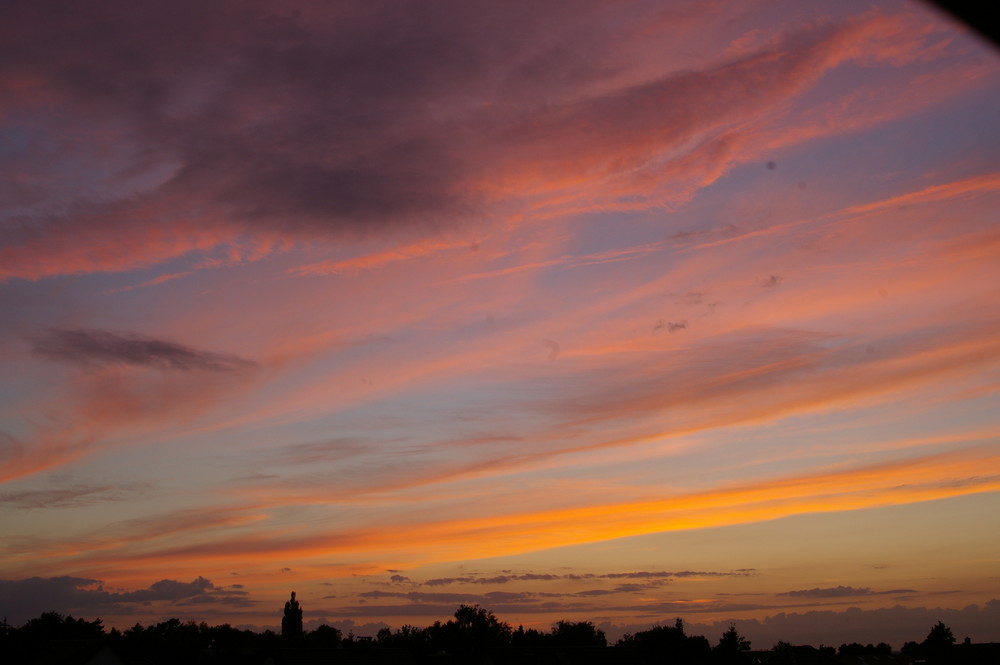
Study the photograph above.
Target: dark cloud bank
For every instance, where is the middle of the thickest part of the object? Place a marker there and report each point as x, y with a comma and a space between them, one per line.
21, 600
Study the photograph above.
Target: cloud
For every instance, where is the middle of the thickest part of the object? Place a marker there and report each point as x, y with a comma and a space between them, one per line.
69, 497
423, 597
134, 389
444, 581
242, 128
23, 599
100, 347
548, 577
669, 326
894, 625
841, 591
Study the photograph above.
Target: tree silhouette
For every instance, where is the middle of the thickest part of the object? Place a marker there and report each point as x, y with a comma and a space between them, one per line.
291, 622
732, 642
471, 631
938, 642
731, 648
578, 634
939, 637
663, 645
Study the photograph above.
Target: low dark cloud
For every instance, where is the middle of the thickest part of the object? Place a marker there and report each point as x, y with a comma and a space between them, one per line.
843, 592
100, 347
423, 597
444, 581
630, 588
539, 577
894, 625
21, 600
639, 575
643, 574
661, 575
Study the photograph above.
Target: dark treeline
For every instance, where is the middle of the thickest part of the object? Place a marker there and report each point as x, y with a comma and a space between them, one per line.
474, 635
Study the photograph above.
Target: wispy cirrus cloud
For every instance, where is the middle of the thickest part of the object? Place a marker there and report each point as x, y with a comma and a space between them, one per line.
68, 497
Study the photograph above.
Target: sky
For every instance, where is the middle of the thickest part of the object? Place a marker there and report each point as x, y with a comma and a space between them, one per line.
597, 311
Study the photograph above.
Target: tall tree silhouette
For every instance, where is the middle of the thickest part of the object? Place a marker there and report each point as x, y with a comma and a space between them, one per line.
291, 622
731, 640
731, 647
938, 642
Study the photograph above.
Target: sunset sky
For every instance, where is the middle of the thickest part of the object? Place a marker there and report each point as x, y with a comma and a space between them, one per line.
607, 311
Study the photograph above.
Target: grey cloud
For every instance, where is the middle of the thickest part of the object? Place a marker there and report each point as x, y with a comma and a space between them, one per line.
410, 609
541, 577
669, 326
638, 575
423, 597
168, 590
100, 347
399, 579
494, 597
23, 599
350, 127
842, 592
444, 581
537, 577
499, 579
895, 625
